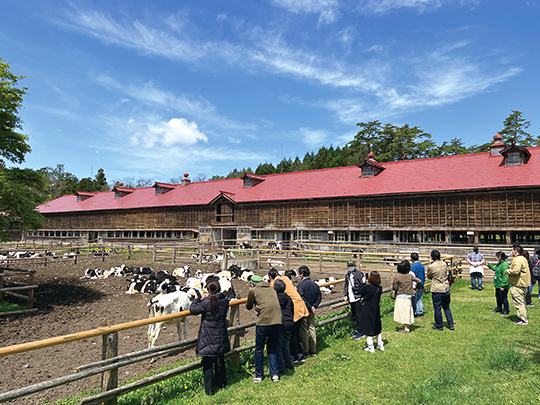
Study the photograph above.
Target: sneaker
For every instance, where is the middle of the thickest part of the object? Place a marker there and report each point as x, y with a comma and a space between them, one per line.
275, 378
504, 313
380, 347
257, 379
353, 334
358, 337
302, 360
452, 327
480, 288
404, 330
295, 360
495, 311
530, 305
370, 349
437, 328
521, 322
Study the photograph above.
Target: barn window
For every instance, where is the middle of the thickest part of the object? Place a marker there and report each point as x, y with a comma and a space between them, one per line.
247, 182
367, 171
513, 159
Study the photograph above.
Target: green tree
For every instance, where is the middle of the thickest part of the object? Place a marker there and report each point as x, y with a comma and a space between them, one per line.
59, 182
514, 130
100, 181
21, 190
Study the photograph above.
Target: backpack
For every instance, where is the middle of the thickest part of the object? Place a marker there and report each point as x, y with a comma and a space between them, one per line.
450, 277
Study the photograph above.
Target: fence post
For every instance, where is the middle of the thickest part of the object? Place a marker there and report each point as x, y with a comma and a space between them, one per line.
174, 255
320, 263
234, 319
154, 253
1, 284
129, 252
32, 277
109, 379
226, 259
287, 260
102, 254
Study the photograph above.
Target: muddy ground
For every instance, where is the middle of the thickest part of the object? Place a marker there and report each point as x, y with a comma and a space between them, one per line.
68, 304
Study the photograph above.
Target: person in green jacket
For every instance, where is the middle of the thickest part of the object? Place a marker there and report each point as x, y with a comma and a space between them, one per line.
500, 282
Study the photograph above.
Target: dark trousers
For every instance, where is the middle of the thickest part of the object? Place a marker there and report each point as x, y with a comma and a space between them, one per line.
502, 300
283, 354
442, 300
266, 335
356, 308
297, 347
214, 373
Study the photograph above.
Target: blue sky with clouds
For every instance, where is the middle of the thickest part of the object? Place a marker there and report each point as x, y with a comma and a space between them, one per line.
156, 89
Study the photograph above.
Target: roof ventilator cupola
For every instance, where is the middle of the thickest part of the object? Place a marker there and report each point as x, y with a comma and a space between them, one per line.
185, 181
370, 167
497, 146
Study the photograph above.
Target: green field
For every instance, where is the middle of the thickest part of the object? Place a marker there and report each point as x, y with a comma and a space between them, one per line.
486, 360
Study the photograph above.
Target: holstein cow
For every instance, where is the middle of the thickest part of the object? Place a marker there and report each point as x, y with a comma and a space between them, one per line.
165, 304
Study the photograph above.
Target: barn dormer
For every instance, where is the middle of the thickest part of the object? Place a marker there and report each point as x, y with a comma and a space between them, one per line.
120, 192
251, 180
83, 195
162, 188
515, 155
370, 167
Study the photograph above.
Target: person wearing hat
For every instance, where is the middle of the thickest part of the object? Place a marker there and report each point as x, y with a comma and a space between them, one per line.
268, 326
354, 281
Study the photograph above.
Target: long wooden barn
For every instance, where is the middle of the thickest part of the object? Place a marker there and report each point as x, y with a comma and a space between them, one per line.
483, 198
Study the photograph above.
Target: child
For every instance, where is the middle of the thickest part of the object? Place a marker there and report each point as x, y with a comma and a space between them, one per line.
286, 304
369, 323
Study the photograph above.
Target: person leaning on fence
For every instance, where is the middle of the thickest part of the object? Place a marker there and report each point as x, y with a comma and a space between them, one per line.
287, 311
311, 294
500, 282
519, 278
437, 272
403, 285
476, 270
268, 326
213, 339
419, 271
370, 318
354, 280
300, 313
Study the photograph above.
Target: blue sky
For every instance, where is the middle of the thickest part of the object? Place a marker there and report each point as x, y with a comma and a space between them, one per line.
156, 89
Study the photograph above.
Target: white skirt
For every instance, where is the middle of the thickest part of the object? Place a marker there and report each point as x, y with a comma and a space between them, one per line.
403, 311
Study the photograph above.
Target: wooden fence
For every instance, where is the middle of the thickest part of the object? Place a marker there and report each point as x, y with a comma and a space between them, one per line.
111, 361
10, 285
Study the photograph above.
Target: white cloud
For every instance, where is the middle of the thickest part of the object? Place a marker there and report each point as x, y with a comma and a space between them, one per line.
328, 10
176, 131
313, 137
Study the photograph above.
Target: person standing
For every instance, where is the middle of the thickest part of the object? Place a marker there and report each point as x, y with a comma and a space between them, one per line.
213, 339
354, 280
519, 278
403, 286
500, 282
311, 294
476, 270
437, 272
300, 313
535, 263
287, 311
268, 326
419, 272
370, 318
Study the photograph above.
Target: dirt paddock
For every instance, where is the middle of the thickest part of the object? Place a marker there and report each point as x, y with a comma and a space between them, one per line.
68, 304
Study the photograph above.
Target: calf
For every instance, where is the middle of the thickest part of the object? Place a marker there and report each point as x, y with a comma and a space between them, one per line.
165, 304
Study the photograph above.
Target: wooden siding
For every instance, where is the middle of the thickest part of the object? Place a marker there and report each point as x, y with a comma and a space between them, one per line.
496, 210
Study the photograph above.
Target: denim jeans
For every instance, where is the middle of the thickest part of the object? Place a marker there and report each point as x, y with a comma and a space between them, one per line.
442, 300
283, 354
502, 300
266, 335
476, 277
417, 303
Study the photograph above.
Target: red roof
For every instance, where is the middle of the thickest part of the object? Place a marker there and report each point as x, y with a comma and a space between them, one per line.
478, 171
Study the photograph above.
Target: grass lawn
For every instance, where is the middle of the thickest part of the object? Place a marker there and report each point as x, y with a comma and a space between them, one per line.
486, 360
9, 307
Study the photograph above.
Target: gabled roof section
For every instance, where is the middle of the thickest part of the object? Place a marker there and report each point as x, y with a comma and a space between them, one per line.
162, 188
224, 195
83, 195
514, 148
251, 180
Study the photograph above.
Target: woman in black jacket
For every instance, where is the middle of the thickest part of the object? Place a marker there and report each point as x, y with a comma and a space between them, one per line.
369, 323
213, 340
